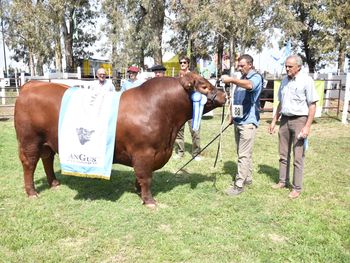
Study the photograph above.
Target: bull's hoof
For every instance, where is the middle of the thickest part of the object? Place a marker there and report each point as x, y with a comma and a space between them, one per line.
32, 195
151, 205
55, 184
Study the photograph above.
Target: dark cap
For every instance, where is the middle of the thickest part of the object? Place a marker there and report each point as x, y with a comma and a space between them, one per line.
133, 69
158, 68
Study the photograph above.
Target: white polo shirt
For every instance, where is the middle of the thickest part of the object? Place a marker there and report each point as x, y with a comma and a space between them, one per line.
296, 94
107, 86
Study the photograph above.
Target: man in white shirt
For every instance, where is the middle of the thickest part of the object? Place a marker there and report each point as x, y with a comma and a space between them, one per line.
102, 84
297, 106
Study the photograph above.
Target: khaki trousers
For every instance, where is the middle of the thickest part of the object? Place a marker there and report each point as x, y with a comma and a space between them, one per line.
244, 136
180, 140
288, 139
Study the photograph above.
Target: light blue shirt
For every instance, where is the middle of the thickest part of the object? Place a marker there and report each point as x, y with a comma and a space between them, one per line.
128, 84
249, 99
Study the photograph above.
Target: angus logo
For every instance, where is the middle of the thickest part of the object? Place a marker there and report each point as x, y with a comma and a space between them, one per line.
84, 135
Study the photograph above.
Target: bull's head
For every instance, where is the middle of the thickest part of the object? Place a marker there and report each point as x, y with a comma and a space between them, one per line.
195, 82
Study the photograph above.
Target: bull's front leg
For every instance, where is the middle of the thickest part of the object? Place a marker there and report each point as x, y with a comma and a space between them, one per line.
143, 183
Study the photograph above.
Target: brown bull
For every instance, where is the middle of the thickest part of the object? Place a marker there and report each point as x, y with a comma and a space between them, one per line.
149, 118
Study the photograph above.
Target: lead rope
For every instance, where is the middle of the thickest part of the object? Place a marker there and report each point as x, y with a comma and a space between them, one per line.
222, 130
223, 117
202, 149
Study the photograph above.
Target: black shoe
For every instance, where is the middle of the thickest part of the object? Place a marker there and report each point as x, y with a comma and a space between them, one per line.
234, 190
247, 183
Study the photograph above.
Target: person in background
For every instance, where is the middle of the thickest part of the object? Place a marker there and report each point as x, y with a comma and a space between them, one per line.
297, 106
102, 84
246, 119
180, 138
158, 70
132, 80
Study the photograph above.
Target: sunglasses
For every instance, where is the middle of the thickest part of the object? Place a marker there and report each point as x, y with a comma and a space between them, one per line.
183, 62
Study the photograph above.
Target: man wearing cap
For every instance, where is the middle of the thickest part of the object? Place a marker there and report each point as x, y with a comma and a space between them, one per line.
132, 81
159, 70
102, 84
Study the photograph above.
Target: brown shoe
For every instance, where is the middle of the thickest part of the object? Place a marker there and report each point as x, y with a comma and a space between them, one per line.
294, 194
278, 186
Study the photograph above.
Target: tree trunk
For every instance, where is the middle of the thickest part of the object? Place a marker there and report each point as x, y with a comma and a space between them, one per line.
58, 55
158, 24
232, 54
341, 56
68, 41
220, 51
39, 66
31, 64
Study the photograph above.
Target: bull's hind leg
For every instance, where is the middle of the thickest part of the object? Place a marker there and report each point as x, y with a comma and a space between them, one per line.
143, 181
29, 157
47, 157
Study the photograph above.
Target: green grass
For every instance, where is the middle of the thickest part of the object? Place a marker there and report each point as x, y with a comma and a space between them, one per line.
90, 220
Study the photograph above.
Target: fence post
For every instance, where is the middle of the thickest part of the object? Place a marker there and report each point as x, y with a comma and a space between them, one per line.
344, 118
2, 87
23, 80
79, 72
328, 91
16, 81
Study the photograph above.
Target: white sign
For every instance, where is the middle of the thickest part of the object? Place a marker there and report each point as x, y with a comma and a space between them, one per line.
5, 82
237, 111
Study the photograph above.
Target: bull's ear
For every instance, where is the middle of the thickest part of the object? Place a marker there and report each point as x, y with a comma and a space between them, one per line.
203, 86
187, 81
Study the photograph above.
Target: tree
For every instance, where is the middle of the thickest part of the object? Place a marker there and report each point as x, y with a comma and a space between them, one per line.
335, 18
28, 34
191, 35
216, 26
135, 29
76, 16
320, 29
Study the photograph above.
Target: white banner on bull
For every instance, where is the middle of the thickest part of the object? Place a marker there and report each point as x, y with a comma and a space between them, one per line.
86, 136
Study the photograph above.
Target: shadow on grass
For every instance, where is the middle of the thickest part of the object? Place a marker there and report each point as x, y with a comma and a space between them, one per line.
270, 171
122, 182
230, 168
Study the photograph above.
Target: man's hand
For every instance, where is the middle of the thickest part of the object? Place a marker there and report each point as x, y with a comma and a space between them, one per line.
225, 78
271, 128
305, 132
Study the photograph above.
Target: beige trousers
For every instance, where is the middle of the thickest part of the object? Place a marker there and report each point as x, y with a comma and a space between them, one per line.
244, 136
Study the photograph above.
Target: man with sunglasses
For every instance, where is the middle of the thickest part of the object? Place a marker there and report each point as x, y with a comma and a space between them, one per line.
180, 138
102, 84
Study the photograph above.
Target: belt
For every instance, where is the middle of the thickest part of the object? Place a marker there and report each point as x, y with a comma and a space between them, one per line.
293, 116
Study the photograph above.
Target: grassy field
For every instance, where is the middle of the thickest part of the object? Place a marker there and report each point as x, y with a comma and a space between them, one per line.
90, 220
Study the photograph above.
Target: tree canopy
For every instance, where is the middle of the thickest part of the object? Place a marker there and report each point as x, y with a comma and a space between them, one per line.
44, 31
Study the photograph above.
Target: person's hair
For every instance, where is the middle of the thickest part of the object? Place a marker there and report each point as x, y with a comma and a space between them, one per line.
99, 70
297, 59
247, 58
184, 58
